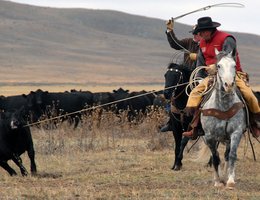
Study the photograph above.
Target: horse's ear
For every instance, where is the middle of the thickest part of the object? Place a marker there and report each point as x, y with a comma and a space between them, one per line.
232, 54
216, 51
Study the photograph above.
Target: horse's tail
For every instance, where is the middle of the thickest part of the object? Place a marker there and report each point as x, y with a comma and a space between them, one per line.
203, 154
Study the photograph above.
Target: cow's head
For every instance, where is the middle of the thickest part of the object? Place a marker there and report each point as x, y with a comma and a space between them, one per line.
14, 119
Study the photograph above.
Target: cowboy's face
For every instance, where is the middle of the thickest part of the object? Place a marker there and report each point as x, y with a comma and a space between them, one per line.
196, 37
205, 34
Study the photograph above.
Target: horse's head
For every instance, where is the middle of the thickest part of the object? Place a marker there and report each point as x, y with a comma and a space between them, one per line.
175, 75
226, 67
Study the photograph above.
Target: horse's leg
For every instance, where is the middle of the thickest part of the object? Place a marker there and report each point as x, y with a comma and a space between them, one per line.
177, 137
226, 158
178, 163
215, 161
235, 140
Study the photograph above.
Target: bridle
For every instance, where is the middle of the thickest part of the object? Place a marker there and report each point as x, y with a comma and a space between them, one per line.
175, 110
174, 97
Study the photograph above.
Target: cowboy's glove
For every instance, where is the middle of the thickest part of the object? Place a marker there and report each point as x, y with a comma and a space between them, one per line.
193, 56
211, 69
243, 75
170, 24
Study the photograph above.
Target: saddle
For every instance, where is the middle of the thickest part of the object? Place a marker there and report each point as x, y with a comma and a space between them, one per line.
251, 119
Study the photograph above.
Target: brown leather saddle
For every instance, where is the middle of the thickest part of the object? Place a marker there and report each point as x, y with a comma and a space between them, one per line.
225, 115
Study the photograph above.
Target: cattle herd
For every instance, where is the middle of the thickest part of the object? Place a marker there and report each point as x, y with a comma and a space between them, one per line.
19, 110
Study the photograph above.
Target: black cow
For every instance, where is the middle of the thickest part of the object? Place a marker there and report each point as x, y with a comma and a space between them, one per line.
15, 139
138, 103
135, 102
119, 97
103, 98
12, 102
160, 101
59, 103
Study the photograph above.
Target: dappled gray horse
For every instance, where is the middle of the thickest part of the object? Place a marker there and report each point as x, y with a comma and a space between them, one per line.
223, 117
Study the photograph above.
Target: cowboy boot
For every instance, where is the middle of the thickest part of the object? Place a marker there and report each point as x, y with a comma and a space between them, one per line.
193, 133
166, 127
188, 133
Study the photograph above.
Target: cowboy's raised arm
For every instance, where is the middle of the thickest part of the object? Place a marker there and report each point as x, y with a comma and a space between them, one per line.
175, 43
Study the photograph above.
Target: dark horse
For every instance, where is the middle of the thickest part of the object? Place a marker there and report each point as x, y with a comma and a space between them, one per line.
177, 75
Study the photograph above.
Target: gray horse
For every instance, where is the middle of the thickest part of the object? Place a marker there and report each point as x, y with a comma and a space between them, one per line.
228, 122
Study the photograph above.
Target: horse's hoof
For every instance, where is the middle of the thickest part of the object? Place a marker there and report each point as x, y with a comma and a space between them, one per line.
176, 168
230, 185
219, 184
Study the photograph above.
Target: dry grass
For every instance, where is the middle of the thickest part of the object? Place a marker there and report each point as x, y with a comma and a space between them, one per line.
121, 160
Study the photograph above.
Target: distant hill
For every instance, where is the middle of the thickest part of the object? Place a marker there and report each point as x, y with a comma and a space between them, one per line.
63, 46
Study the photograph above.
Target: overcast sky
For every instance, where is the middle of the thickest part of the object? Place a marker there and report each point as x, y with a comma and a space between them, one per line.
232, 19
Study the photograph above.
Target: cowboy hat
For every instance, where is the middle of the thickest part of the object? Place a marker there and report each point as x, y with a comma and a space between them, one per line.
194, 30
205, 23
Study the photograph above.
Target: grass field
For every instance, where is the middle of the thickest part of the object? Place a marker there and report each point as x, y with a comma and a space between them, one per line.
122, 160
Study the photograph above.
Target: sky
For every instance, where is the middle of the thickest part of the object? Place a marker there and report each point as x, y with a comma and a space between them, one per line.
235, 19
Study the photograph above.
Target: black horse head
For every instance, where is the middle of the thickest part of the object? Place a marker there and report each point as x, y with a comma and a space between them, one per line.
176, 78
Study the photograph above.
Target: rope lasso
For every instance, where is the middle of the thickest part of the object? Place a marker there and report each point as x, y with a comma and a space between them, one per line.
194, 80
234, 5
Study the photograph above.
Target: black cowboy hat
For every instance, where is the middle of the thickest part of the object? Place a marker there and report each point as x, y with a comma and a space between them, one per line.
194, 30
205, 23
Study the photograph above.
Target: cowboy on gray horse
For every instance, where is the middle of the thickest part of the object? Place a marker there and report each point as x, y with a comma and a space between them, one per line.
222, 41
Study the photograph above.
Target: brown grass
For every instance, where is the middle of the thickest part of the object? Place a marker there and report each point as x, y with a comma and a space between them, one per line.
121, 160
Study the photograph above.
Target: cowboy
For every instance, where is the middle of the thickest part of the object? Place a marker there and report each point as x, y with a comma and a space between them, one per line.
213, 38
189, 45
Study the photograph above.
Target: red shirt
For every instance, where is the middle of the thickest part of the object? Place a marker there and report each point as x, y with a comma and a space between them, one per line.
217, 41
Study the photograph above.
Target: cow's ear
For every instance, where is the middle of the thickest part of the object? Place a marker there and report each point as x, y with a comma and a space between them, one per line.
24, 96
